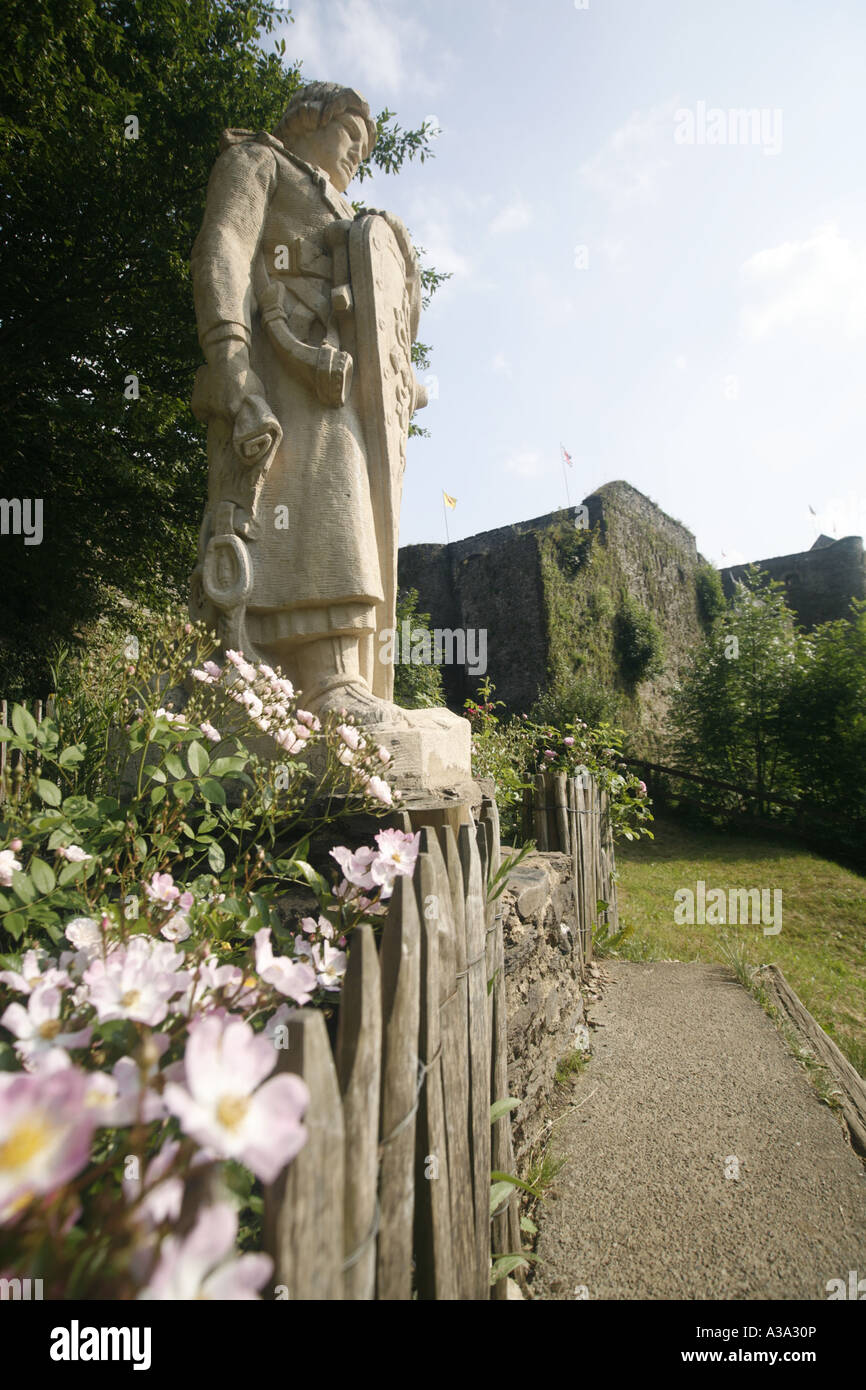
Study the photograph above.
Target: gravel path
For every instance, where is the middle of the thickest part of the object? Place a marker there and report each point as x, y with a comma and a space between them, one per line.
687, 1072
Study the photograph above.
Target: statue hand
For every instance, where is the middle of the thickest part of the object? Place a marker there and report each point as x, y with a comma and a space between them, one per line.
257, 431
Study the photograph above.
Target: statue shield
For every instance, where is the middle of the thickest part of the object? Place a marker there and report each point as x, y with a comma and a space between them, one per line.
385, 394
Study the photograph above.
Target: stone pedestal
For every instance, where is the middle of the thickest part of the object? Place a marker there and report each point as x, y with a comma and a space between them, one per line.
432, 754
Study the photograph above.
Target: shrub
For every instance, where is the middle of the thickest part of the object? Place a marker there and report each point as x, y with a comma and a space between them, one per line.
144, 852
514, 750
711, 595
639, 642
417, 685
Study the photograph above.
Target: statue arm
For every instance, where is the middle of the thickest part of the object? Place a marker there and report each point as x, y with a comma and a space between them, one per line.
238, 193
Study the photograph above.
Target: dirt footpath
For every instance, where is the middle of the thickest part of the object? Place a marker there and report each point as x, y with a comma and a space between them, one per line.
690, 1080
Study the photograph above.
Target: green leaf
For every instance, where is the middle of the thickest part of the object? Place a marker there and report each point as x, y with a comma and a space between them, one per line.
156, 774
5, 734
23, 722
212, 790
216, 857
15, 924
515, 1182
528, 1226
184, 791
69, 757
157, 795
503, 1265
49, 791
42, 875
23, 888
499, 1193
173, 764
199, 762
72, 871
300, 869
4, 903
502, 1107
223, 767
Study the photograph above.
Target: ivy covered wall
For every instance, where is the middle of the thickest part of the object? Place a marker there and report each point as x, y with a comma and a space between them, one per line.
594, 609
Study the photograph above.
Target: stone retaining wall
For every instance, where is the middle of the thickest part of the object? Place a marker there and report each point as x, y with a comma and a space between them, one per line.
546, 1020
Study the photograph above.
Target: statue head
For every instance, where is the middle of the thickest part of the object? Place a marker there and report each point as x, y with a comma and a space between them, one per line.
329, 126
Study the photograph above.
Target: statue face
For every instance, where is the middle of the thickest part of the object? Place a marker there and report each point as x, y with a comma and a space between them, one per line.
337, 148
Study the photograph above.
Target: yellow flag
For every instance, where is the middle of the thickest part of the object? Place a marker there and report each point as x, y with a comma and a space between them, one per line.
449, 501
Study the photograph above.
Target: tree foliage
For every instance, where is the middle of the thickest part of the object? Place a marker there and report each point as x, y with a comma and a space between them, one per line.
417, 685
730, 711
95, 288
639, 642
825, 718
767, 707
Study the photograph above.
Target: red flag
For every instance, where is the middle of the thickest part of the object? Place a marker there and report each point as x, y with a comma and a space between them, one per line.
566, 456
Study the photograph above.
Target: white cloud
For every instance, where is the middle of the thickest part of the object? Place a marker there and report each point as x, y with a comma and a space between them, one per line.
818, 285
527, 463
841, 516
373, 44
501, 365
514, 217
629, 162
730, 557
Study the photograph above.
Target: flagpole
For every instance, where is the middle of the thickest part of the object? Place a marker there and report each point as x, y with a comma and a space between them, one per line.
445, 515
564, 479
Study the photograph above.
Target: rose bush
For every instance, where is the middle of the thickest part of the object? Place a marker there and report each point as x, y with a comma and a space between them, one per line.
144, 997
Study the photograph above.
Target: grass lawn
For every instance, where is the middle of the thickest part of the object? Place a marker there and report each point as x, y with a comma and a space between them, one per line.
822, 944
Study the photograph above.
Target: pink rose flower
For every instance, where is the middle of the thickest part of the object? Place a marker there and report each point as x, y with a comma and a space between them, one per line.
224, 1104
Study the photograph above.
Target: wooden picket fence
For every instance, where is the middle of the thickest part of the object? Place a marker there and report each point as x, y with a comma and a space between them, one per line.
572, 815
390, 1196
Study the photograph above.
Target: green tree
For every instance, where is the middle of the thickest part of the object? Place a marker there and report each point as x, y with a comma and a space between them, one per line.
98, 229
417, 685
730, 715
711, 595
826, 719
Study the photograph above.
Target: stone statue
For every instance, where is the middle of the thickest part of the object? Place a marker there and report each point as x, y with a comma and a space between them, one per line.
306, 316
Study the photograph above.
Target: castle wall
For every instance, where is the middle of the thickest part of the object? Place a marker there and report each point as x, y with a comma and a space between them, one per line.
489, 581
819, 584
549, 593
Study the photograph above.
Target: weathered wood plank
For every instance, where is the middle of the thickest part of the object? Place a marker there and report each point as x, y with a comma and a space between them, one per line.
560, 811
850, 1085
505, 1229
580, 820
574, 820
613, 907
434, 1255
592, 862
454, 994
303, 1209
540, 811
479, 1051
400, 959
359, 1061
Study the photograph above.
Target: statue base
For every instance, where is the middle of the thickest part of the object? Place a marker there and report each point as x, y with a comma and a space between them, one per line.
432, 754
430, 758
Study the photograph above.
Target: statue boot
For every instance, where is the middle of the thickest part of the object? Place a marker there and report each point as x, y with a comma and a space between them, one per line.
330, 680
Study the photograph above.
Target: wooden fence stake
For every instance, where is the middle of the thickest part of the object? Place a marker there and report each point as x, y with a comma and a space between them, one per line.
359, 1059
401, 973
303, 1221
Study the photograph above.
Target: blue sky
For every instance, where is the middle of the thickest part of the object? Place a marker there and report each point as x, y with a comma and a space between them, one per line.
677, 296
